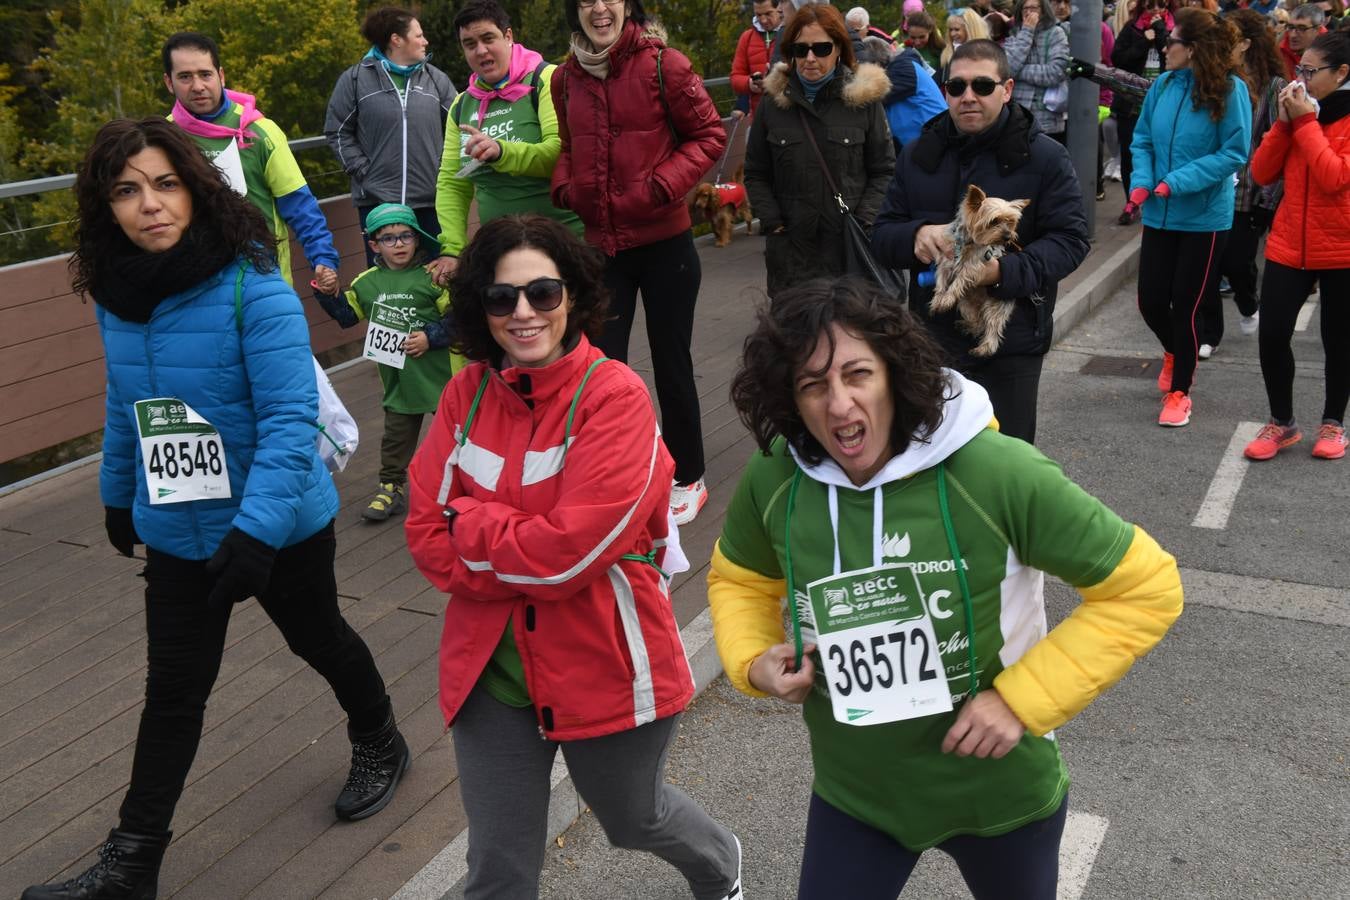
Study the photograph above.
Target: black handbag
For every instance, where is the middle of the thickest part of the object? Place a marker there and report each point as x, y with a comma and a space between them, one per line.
858, 259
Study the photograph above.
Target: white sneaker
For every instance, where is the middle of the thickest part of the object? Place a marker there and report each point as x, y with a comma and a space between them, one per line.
1249, 324
686, 500
735, 892
1206, 351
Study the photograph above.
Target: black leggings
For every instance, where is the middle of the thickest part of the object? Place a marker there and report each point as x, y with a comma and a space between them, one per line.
1125, 123
1283, 293
1238, 265
187, 638
1175, 269
668, 273
848, 858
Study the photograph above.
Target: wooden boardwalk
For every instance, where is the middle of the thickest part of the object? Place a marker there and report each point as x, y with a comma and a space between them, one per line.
256, 818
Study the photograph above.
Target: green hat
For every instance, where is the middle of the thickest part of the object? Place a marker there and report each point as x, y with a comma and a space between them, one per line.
397, 214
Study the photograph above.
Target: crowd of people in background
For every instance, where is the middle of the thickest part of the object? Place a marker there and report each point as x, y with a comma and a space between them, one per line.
544, 475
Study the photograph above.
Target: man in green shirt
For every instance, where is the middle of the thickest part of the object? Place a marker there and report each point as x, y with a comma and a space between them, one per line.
249, 149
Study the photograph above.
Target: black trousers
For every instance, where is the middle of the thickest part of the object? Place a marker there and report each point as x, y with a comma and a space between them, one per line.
1125, 123
426, 220
186, 639
668, 274
1238, 265
1013, 383
1175, 270
1283, 293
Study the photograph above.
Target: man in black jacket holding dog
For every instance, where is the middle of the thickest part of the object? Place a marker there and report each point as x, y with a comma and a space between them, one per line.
987, 140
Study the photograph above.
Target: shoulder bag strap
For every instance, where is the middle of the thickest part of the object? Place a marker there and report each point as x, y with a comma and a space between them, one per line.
820, 158
661, 89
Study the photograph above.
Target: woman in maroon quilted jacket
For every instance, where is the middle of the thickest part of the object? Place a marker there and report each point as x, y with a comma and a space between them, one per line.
638, 132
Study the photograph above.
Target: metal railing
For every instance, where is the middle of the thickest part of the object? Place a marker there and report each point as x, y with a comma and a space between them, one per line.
65, 182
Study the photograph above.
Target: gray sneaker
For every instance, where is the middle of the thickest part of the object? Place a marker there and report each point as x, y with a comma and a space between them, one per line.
390, 500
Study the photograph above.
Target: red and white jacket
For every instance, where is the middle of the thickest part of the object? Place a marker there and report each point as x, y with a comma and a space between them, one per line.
538, 539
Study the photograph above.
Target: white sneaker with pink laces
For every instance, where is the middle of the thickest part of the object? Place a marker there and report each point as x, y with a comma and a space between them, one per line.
686, 500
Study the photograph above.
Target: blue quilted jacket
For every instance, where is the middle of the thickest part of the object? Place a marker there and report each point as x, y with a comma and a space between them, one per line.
254, 381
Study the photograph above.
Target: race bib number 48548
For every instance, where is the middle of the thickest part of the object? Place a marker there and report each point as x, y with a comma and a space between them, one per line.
877, 646
182, 453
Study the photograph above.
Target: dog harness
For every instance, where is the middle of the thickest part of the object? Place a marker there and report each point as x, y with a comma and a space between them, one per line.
730, 194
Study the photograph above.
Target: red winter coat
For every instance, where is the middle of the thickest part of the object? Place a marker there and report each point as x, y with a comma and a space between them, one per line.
751, 56
538, 540
1313, 219
621, 169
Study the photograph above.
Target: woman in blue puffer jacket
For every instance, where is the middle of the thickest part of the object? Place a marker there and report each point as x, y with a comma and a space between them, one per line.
209, 460
1193, 134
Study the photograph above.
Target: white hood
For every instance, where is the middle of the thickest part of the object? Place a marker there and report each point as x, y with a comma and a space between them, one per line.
965, 414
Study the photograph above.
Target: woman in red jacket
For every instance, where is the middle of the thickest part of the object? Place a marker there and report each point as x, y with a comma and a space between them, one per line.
1310, 147
538, 503
638, 132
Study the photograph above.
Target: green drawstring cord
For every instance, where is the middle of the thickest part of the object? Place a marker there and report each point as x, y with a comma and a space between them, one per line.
649, 559
960, 571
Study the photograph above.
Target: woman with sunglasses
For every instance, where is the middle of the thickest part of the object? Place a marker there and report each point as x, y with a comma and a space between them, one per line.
1193, 135
1038, 56
540, 506
1141, 43
638, 132
917, 537
822, 99
1309, 147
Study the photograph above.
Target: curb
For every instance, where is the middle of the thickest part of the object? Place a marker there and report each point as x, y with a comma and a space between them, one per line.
438, 879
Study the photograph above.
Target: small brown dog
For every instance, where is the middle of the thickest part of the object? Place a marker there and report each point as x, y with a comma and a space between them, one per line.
723, 204
984, 229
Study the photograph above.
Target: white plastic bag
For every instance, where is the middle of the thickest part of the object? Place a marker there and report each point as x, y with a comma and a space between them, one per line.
338, 434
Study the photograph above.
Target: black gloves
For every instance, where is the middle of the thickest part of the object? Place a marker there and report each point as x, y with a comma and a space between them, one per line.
1079, 68
242, 566
121, 530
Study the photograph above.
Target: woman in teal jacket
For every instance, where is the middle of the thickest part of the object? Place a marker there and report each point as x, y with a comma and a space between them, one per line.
209, 460
1193, 135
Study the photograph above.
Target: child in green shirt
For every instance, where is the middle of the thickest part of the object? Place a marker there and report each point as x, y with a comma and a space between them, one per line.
400, 296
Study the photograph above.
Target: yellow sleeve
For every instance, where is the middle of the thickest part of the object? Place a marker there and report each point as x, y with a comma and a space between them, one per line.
535, 160
1120, 619
353, 295
283, 173
453, 194
747, 617
443, 302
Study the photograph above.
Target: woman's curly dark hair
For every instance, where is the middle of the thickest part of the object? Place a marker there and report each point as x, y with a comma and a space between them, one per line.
785, 336
1261, 63
581, 266
98, 236
1211, 40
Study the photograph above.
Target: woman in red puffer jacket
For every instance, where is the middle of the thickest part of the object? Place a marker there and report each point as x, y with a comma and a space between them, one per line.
1310, 146
638, 132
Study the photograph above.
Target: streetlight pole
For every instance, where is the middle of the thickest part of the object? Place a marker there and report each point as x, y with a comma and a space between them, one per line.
1085, 43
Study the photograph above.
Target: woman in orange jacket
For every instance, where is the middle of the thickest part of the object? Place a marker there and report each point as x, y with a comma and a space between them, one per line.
1310, 147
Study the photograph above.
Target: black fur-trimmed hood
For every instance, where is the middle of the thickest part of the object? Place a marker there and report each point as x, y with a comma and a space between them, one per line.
862, 85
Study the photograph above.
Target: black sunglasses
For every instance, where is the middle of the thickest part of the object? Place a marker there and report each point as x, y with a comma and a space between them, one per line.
821, 49
1176, 40
544, 294
983, 86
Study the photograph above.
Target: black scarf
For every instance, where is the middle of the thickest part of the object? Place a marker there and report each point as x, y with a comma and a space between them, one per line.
132, 282
1335, 106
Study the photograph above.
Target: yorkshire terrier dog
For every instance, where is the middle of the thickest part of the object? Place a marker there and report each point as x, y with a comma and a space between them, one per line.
723, 204
984, 229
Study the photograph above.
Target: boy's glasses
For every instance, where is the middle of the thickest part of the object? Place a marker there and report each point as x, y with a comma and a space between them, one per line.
544, 294
392, 240
982, 87
821, 49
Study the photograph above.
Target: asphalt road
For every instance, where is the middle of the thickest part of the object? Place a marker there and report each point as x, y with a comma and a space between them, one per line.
1217, 767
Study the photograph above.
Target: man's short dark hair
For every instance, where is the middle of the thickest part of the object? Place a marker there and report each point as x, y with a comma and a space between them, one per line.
481, 11
189, 40
984, 49
773, 3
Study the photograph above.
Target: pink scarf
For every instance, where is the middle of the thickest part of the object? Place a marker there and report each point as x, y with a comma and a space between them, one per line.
1146, 18
202, 128
523, 62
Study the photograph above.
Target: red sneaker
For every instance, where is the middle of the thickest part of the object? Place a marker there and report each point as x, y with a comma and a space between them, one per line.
1330, 442
1165, 376
1271, 439
1176, 410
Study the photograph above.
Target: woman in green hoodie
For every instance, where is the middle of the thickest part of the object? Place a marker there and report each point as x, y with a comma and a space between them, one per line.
914, 538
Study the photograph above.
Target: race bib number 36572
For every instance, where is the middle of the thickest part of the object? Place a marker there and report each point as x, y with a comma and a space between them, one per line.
877, 647
182, 453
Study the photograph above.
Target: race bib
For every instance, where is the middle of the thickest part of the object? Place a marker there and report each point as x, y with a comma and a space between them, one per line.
182, 454
232, 166
877, 647
386, 335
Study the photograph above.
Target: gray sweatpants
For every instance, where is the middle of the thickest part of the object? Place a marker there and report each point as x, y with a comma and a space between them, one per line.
503, 774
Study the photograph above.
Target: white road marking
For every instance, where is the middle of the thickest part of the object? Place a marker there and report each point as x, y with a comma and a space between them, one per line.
1083, 836
1306, 313
1223, 489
